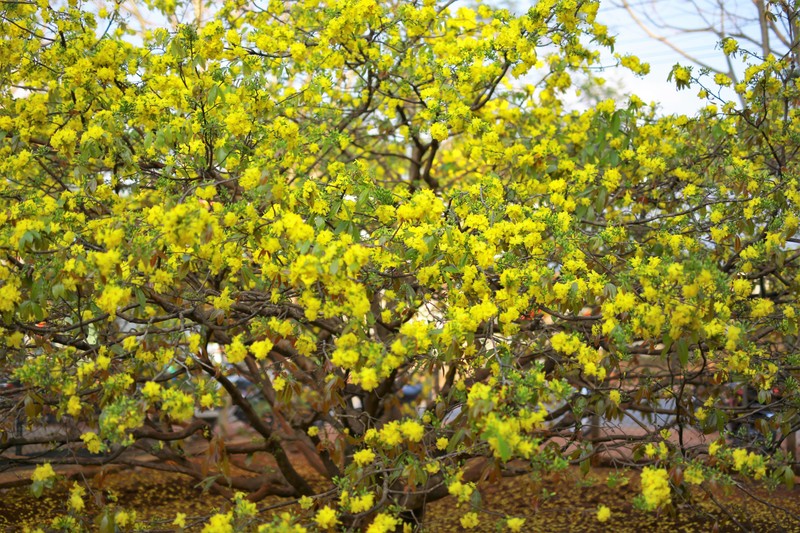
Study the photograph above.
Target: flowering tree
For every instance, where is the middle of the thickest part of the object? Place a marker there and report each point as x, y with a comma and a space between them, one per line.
331, 201
763, 26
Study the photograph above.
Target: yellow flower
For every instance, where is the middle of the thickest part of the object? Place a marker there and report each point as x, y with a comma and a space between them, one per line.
650, 449
603, 513
63, 139
730, 46
250, 178
515, 524
693, 475
739, 458
722, 79
236, 351
469, 520
369, 378
15, 339
151, 390
478, 392
207, 400
663, 451
223, 301
238, 123
635, 65
682, 75
93, 133
439, 131
614, 396
112, 298
461, 491
261, 349
9, 295
178, 404
441, 443
412, 430
655, 487
219, 523
364, 457
244, 507
306, 502
761, 308
92, 442
713, 448
76, 497
383, 523
371, 436
180, 520
74, 406
326, 518
43, 473
390, 434
362, 503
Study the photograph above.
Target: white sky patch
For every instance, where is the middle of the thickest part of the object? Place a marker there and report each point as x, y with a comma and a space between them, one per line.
704, 46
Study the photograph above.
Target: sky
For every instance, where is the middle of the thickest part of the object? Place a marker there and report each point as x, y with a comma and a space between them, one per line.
702, 45
631, 39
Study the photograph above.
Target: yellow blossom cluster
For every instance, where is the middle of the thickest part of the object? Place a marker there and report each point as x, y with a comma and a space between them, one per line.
388, 226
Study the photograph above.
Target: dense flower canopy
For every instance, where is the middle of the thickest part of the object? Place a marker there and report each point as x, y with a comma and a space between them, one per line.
339, 199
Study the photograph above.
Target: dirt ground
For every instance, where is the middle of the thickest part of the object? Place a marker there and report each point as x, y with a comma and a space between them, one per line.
568, 502
564, 502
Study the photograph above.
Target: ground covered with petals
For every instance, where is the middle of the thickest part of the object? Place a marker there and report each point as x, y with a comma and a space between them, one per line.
564, 502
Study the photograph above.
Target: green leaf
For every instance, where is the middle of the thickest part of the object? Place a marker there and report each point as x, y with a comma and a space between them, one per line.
475, 499
504, 449
140, 298
600, 200
304, 246
683, 351
763, 397
33, 407
788, 477
616, 121
455, 440
105, 522
58, 290
212, 94
206, 484
667, 341
586, 464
